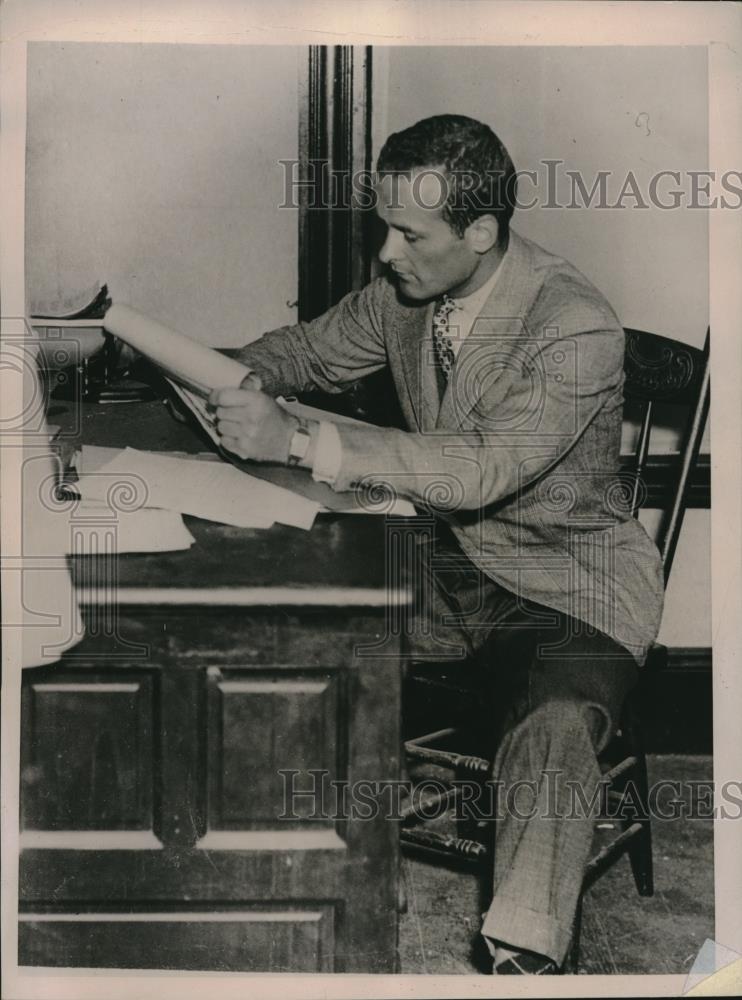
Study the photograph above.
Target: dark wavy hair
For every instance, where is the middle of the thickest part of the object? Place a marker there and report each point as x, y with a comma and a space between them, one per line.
479, 176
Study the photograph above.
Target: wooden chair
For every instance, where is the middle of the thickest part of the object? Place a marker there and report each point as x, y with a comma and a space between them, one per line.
659, 372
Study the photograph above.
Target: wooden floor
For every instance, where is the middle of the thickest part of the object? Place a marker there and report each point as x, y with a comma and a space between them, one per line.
622, 932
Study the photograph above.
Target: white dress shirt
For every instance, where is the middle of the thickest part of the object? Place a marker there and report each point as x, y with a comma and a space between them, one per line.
328, 454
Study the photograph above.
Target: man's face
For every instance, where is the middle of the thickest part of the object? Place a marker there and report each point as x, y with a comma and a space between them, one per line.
427, 257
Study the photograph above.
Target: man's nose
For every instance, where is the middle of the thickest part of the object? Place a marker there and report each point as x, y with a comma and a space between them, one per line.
391, 249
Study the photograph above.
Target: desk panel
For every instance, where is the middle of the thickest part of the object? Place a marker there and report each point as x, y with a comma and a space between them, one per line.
253, 940
172, 806
88, 756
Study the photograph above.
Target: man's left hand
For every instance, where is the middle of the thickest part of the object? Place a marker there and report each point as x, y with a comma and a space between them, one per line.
252, 424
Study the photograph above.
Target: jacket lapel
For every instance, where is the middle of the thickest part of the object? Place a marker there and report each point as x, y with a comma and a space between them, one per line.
484, 354
415, 346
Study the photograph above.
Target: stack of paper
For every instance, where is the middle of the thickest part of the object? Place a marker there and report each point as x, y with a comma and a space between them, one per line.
339, 503
212, 490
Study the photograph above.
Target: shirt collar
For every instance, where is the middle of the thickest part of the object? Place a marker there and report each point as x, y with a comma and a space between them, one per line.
468, 307
481, 295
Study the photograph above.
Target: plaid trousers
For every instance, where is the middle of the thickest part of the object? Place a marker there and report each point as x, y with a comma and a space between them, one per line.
554, 690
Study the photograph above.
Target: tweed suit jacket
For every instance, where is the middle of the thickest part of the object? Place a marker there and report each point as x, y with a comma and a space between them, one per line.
521, 455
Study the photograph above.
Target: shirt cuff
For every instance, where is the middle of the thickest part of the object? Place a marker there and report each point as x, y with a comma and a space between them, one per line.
328, 455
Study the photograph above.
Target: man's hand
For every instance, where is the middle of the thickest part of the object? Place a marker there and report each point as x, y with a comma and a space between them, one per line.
252, 424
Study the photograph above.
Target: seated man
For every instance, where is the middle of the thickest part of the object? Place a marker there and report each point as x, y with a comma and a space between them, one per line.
508, 365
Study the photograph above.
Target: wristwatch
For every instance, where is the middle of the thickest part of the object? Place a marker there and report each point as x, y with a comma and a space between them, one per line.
300, 441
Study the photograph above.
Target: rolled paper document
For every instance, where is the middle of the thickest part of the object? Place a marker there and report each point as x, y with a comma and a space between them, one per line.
200, 367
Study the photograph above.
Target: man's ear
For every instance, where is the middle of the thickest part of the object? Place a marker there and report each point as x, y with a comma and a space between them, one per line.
481, 235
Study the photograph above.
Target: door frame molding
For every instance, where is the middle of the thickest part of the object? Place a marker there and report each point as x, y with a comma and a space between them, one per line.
335, 105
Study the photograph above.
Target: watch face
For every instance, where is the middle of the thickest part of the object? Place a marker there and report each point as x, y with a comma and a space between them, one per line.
300, 443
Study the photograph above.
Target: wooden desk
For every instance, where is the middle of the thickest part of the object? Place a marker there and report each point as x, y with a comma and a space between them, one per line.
157, 829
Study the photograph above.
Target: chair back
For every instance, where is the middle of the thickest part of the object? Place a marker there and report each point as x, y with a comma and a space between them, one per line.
659, 370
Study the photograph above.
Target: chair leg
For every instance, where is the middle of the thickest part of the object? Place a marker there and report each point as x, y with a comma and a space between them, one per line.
640, 850
572, 961
640, 858
475, 815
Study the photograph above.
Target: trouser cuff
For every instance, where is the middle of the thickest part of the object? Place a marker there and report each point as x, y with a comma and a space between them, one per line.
519, 928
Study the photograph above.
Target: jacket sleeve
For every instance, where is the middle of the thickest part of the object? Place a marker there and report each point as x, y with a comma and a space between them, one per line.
344, 344
530, 413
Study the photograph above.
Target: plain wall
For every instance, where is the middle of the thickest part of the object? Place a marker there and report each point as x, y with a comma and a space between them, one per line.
155, 168
687, 617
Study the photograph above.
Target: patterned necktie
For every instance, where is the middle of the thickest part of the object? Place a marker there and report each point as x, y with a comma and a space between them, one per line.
442, 340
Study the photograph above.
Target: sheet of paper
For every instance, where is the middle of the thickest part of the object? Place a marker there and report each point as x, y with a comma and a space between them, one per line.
98, 528
314, 413
400, 507
199, 409
194, 364
92, 457
212, 490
